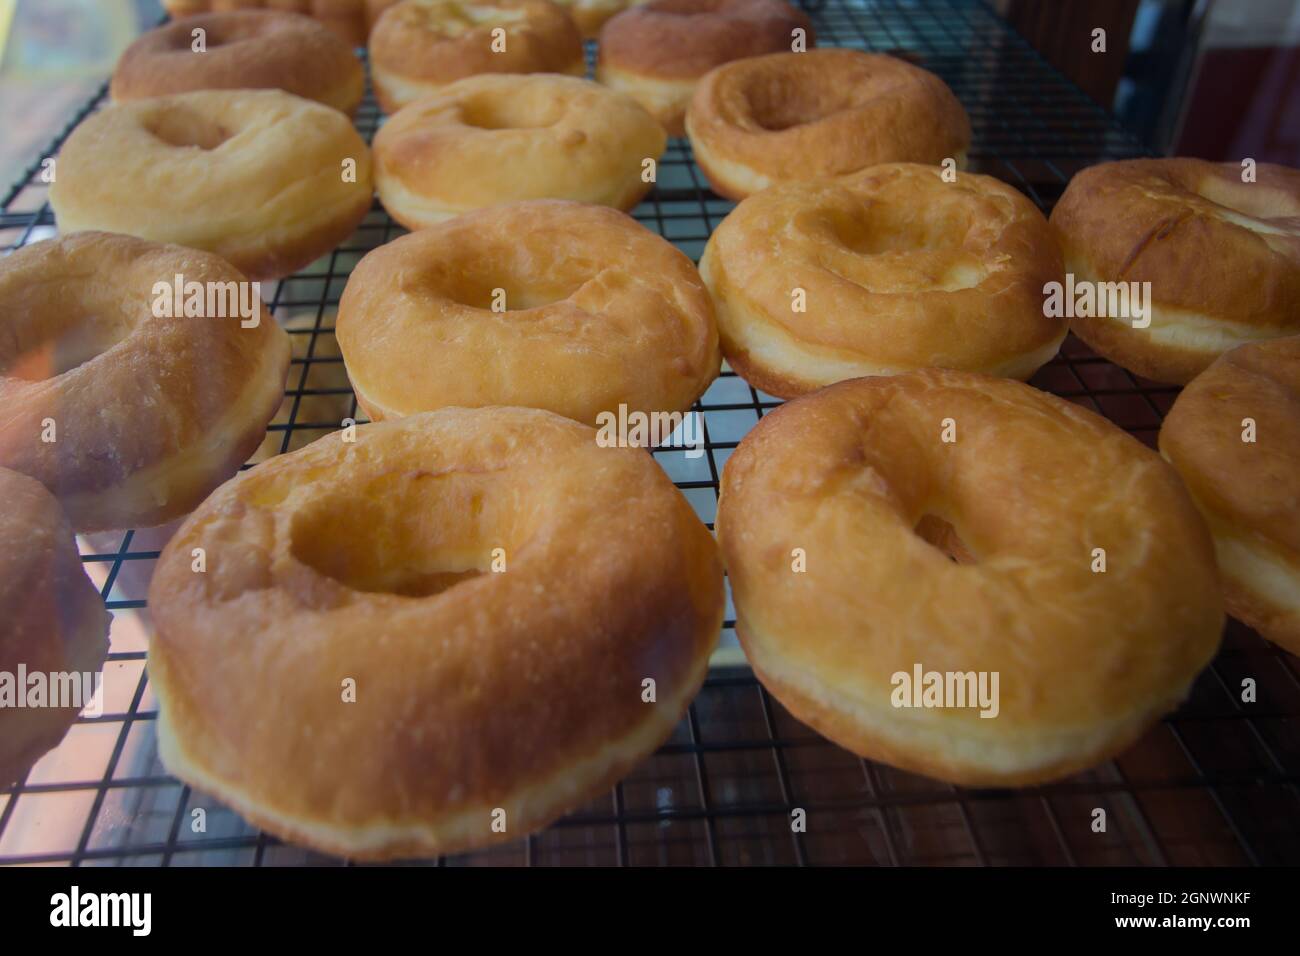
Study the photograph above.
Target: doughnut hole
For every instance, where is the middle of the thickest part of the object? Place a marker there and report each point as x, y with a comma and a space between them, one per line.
490, 111
878, 228
524, 288
180, 127
414, 533
70, 327
897, 250
774, 104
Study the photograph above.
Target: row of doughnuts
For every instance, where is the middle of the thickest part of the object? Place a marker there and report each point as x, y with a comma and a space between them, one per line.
395, 527
757, 122
352, 20
655, 51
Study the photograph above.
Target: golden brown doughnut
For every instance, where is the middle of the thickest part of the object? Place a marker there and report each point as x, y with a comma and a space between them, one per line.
796, 116
350, 20
266, 180
130, 417
1248, 490
599, 312
895, 269
446, 565
419, 46
249, 49
53, 624
976, 556
658, 51
1222, 257
499, 138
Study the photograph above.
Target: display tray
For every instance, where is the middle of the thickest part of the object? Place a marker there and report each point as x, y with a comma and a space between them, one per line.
1217, 783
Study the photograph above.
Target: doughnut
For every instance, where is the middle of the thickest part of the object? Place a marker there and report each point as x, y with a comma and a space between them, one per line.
1234, 436
266, 180
914, 556
419, 46
894, 269
796, 116
590, 15
1222, 258
53, 622
350, 20
658, 51
496, 586
499, 138
127, 411
595, 311
248, 49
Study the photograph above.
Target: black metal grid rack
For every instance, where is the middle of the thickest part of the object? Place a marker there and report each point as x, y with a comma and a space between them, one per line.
1216, 783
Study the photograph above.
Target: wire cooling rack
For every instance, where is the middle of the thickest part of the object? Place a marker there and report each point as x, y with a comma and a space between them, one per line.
1216, 783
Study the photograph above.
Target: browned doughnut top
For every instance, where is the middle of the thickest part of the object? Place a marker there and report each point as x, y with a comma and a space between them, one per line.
784, 116
687, 38
1255, 485
150, 412
245, 49
443, 41
1222, 256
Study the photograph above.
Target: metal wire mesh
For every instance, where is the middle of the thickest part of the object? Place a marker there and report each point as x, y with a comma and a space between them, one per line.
1217, 783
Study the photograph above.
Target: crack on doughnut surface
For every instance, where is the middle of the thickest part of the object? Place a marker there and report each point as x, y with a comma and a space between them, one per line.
940, 534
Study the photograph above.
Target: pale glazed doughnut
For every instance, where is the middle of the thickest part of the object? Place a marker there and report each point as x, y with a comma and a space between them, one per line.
519, 689
859, 478
149, 413
898, 270
249, 49
796, 116
1249, 491
260, 177
351, 20
419, 46
499, 138
1222, 257
658, 51
53, 622
599, 312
